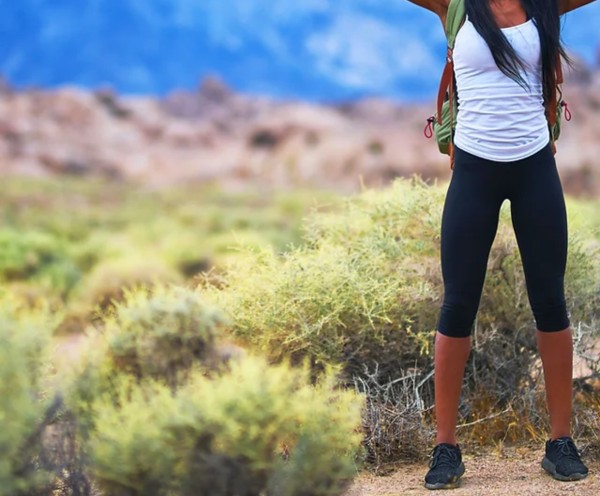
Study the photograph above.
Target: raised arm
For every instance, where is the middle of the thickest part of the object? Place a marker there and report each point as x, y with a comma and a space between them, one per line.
569, 5
440, 7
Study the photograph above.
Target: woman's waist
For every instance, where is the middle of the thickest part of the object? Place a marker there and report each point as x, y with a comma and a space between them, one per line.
488, 119
508, 112
501, 148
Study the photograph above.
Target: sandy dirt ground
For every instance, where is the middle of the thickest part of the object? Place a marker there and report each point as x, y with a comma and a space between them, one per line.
516, 474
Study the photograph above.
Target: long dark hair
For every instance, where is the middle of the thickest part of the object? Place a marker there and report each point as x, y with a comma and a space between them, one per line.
546, 16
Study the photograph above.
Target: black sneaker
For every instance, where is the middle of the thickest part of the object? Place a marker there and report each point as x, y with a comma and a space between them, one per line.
445, 467
562, 460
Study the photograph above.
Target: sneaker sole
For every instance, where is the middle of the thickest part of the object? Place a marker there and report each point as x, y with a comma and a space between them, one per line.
550, 467
453, 484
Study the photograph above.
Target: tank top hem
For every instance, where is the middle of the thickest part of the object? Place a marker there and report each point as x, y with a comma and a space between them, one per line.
528, 151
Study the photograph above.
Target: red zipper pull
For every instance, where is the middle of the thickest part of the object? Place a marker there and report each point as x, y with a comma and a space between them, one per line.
567, 111
428, 131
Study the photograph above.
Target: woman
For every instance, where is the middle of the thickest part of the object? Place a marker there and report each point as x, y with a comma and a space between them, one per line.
505, 67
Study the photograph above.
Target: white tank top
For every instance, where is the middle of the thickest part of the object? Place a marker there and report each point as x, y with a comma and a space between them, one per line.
498, 119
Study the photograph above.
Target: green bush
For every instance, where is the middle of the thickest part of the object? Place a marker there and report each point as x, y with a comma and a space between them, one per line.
79, 242
24, 335
366, 283
361, 289
160, 332
39, 257
162, 411
364, 290
353, 287
129, 445
108, 281
255, 428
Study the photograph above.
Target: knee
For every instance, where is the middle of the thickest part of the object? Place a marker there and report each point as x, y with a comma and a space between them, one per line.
552, 318
550, 311
456, 317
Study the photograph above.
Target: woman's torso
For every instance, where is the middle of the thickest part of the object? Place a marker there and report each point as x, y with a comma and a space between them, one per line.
499, 119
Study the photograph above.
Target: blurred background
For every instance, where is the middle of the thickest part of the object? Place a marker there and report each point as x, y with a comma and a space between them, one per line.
151, 140
263, 157
307, 49
299, 92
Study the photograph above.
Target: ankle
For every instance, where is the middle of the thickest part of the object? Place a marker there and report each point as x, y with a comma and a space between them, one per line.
446, 440
556, 434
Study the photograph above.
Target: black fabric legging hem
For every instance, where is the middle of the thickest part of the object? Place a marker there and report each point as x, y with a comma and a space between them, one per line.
470, 216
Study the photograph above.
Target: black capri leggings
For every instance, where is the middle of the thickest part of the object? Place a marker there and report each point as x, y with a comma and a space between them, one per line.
469, 224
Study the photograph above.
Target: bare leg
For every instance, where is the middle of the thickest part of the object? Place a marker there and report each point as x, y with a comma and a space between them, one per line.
451, 356
556, 351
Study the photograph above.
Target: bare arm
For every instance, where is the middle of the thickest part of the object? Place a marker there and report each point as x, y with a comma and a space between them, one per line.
569, 5
440, 7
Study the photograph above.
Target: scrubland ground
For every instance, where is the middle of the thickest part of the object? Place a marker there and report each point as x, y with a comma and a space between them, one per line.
515, 472
191, 299
503, 471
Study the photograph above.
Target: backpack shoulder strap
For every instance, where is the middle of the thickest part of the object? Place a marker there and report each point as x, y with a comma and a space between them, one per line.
454, 20
552, 106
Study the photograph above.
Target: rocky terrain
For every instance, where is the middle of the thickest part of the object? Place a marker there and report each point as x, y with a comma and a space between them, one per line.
215, 134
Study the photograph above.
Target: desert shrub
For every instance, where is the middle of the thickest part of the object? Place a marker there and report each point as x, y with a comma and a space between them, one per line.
25, 408
106, 284
160, 412
587, 424
39, 257
255, 428
366, 283
364, 289
159, 332
162, 331
348, 291
394, 418
79, 241
130, 448
584, 215
110, 279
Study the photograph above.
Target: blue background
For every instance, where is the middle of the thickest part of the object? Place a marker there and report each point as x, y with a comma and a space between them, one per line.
309, 49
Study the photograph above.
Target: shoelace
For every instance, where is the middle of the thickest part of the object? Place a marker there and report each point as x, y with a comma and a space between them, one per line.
568, 449
443, 456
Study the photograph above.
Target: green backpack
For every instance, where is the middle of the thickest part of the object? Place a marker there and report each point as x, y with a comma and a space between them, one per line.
443, 122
